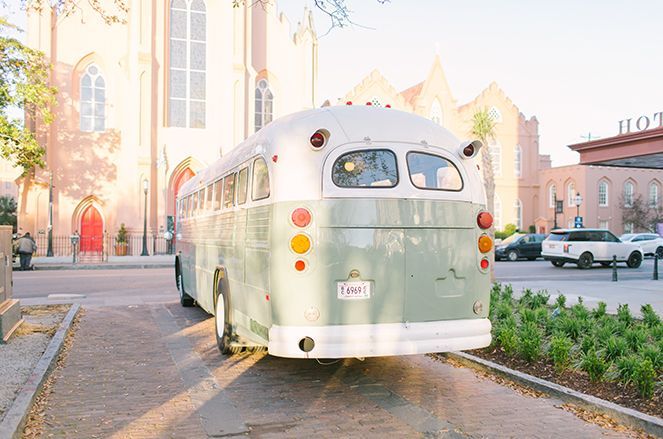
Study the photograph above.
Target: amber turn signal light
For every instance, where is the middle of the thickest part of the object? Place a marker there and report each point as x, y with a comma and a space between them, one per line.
485, 243
301, 243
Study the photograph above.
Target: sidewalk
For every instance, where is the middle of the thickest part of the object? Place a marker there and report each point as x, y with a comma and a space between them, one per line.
114, 262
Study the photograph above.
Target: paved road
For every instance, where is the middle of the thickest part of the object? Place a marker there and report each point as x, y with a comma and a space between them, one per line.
100, 287
634, 286
154, 371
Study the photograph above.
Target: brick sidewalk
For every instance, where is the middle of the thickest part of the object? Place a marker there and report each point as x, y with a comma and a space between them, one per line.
126, 372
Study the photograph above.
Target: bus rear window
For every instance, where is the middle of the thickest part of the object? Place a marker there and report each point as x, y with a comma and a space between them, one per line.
558, 236
366, 169
428, 171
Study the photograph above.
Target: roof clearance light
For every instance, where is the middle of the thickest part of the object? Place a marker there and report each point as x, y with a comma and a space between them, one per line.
348, 103
301, 243
485, 243
387, 106
369, 103
468, 151
301, 217
318, 140
484, 220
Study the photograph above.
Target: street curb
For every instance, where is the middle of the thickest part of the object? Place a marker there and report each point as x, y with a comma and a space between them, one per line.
13, 423
101, 267
650, 424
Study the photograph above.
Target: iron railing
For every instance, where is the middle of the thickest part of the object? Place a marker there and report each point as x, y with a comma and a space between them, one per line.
104, 246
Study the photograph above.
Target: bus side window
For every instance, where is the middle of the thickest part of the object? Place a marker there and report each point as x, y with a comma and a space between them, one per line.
194, 208
242, 185
210, 194
218, 192
189, 206
260, 185
228, 191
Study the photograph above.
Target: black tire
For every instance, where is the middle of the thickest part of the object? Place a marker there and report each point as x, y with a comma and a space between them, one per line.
659, 252
606, 264
222, 310
512, 255
585, 261
557, 263
634, 260
185, 300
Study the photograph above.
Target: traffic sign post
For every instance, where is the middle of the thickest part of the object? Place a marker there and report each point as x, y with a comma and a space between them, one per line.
577, 223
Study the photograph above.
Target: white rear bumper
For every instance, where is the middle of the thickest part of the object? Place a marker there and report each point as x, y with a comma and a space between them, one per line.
347, 341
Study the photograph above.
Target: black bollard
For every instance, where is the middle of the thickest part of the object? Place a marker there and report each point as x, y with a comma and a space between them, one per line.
655, 267
614, 268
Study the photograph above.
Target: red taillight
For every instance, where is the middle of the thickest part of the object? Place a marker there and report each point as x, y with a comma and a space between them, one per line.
566, 248
484, 263
369, 103
301, 217
300, 265
387, 106
348, 103
317, 140
485, 220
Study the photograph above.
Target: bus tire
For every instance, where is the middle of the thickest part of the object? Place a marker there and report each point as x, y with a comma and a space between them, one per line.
222, 323
185, 300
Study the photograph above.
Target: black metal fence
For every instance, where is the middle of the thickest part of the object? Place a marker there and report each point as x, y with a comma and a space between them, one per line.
104, 246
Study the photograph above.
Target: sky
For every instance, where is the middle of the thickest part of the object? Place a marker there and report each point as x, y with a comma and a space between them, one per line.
578, 66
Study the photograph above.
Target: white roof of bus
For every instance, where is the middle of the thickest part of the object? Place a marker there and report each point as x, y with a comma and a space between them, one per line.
347, 123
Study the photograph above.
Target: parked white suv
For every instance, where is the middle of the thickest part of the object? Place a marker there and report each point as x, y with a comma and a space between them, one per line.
650, 243
586, 246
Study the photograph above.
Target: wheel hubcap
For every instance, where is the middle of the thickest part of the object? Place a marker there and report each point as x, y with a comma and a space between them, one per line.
513, 256
220, 316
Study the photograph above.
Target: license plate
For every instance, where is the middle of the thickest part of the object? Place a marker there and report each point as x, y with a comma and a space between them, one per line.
353, 290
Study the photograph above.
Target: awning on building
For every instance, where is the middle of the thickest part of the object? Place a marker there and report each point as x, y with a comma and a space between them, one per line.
643, 149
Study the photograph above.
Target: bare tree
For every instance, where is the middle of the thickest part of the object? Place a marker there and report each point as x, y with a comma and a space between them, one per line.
641, 215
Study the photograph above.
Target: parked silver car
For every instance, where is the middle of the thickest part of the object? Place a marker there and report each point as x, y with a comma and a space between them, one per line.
650, 243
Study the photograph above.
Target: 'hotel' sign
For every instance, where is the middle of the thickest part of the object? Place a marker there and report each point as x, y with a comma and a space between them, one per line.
641, 123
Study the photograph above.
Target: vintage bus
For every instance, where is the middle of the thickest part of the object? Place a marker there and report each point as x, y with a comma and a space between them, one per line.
346, 231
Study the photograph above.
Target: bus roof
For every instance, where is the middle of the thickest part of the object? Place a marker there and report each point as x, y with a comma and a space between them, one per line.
347, 123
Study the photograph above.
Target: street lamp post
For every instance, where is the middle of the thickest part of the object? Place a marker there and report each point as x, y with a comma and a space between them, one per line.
578, 201
49, 251
145, 253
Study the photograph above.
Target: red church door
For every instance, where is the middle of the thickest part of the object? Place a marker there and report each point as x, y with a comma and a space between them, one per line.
92, 231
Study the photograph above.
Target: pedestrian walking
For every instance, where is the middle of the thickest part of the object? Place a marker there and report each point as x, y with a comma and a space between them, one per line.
26, 247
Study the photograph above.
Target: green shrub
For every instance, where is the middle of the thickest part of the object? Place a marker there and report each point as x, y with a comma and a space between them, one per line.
560, 302
603, 334
503, 310
527, 315
657, 333
588, 343
507, 293
495, 294
636, 338
644, 378
653, 353
507, 338
600, 309
624, 314
529, 341
569, 326
649, 316
626, 367
560, 351
542, 316
615, 347
595, 365
579, 310
526, 298
539, 299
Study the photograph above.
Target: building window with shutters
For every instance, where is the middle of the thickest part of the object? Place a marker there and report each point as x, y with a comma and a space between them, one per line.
93, 100
653, 194
188, 64
552, 195
629, 191
518, 162
264, 104
495, 150
571, 194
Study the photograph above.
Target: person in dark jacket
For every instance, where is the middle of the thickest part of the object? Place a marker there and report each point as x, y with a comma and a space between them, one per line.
26, 247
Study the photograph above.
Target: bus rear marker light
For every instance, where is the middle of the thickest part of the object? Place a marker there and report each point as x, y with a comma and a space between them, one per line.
484, 220
485, 243
300, 243
301, 217
300, 265
477, 307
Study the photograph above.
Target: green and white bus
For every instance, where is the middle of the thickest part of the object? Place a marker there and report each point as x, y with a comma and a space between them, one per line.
347, 231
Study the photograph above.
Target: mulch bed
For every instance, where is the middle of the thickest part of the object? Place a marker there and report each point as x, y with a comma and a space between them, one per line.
615, 392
